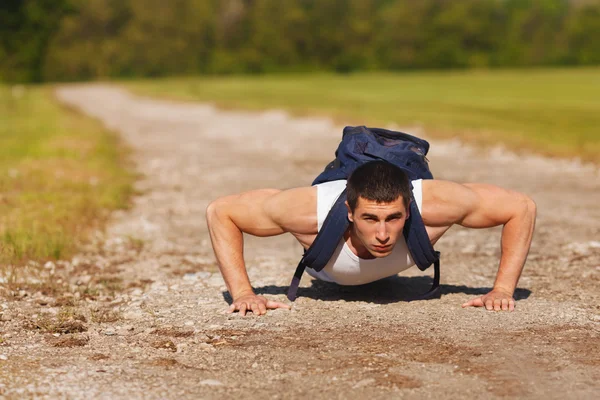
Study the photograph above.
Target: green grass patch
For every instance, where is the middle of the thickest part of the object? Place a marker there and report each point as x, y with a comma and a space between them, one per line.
60, 175
549, 111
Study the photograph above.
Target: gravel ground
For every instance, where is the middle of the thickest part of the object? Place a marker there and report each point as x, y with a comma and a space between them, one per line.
156, 328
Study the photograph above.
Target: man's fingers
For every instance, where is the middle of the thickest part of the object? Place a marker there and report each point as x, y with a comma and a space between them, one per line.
474, 303
258, 307
497, 304
262, 308
489, 305
274, 304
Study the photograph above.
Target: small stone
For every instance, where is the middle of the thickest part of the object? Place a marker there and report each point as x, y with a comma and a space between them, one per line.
83, 280
129, 315
363, 382
125, 330
189, 323
206, 347
44, 300
109, 333
203, 337
211, 382
255, 365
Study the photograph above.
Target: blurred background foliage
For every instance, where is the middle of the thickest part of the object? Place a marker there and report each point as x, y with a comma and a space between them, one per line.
59, 40
61, 173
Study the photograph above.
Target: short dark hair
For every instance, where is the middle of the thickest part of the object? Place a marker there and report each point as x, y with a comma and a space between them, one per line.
378, 181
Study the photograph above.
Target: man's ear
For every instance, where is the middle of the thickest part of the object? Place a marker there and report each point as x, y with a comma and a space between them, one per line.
350, 218
408, 209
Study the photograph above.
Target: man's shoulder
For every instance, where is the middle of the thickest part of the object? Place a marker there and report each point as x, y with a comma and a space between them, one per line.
294, 209
437, 185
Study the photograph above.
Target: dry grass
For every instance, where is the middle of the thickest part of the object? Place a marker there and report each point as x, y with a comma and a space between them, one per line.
164, 362
165, 344
60, 176
98, 357
173, 332
50, 325
69, 341
105, 315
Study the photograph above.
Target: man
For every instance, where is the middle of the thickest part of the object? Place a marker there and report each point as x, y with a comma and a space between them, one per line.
373, 247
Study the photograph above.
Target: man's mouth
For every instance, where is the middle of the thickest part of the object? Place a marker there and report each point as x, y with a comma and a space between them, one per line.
382, 248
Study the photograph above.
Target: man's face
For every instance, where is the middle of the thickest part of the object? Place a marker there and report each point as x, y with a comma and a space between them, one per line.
378, 225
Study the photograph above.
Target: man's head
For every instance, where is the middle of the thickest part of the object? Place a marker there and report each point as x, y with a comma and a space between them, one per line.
378, 197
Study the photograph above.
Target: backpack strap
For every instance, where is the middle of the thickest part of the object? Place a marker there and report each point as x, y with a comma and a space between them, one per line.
417, 239
435, 287
320, 251
421, 249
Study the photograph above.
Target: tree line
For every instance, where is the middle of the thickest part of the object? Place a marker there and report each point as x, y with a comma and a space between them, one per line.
50, 40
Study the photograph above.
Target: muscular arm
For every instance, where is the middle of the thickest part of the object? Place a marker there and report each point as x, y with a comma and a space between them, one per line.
483, 206
266, 212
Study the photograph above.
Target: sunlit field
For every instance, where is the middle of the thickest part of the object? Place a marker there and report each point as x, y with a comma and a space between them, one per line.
549, 111
60, 174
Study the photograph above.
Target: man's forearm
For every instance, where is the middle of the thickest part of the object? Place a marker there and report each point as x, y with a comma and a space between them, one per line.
516, 240
228, 245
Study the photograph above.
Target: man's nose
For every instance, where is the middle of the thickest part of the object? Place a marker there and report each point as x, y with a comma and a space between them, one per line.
382, 232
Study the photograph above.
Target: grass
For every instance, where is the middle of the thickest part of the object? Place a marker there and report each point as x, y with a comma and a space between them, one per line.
60, 175
105, 316
550, 111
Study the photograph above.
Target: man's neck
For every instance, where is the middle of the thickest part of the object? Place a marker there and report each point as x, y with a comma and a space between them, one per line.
355, 245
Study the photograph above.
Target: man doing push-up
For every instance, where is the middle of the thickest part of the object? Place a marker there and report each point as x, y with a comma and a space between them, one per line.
373, 247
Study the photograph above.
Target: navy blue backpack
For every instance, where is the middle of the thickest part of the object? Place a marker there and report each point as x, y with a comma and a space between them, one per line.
360, 145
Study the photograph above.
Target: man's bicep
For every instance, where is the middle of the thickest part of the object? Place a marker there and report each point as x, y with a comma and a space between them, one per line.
294, 210
494, 205
472, 205
247, 212
269, 212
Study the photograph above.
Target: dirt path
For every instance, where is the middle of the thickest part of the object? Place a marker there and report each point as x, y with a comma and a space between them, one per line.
160, 332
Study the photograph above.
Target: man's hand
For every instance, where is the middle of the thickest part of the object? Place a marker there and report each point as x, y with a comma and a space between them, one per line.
495, 300
257, 304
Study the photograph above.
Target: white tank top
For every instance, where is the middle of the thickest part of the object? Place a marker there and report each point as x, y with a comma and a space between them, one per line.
345, 267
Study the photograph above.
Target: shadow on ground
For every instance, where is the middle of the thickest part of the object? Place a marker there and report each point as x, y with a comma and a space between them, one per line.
389, 290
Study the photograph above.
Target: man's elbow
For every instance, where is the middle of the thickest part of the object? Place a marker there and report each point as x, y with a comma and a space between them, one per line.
529, 207
214, 210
